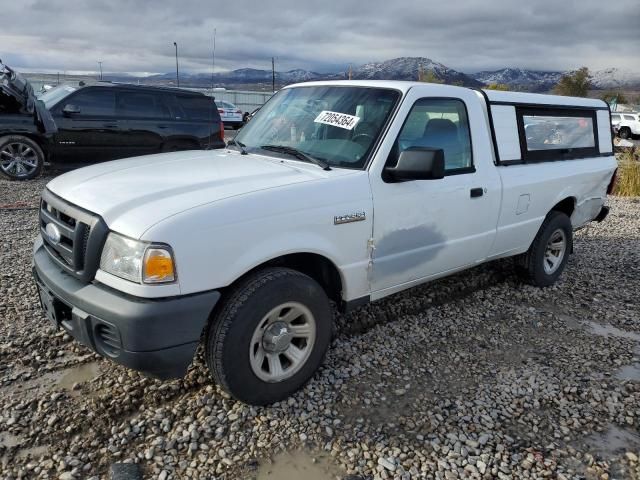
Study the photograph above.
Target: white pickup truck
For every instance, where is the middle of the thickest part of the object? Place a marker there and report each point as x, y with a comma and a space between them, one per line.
341, 192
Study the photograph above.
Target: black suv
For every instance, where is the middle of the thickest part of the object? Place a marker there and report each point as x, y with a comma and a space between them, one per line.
79, 124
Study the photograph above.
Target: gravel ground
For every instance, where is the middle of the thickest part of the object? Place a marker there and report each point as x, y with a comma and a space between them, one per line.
474, 376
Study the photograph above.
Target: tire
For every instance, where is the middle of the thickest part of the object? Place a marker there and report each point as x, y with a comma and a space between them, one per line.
20, 158
624, 133
535, 266
245, 329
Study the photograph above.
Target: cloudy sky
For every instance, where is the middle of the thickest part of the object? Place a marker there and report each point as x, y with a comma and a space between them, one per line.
138, 35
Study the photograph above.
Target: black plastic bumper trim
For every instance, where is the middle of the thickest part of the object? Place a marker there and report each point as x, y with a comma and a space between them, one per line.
158, 337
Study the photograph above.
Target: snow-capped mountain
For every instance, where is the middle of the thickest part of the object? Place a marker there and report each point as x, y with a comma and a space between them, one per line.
612, 78
542, 81
532, 80
403, 68
408, 68
242, 75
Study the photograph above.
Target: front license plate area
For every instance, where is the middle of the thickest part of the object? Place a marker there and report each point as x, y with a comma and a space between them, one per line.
55, 310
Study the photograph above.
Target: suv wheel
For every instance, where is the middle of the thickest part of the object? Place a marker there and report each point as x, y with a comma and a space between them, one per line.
624, 132
20, 157
549, 252
270, 336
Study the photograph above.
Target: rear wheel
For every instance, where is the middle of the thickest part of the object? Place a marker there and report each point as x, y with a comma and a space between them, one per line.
269, 336
549, 252
20, 157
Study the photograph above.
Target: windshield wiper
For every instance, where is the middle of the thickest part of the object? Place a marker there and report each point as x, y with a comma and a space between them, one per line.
239, 144
299, 154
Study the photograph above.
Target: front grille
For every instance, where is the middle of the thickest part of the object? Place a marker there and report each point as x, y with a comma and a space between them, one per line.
70, 247
81, 235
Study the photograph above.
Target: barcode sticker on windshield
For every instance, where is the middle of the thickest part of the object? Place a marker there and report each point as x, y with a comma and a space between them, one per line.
336, 119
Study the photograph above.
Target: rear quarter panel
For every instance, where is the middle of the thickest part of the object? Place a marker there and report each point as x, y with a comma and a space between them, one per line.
531, 190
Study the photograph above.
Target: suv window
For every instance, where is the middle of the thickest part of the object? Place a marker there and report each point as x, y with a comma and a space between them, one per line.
439, 123
629, 117
197, 107
97, 102
141, 105
615, 117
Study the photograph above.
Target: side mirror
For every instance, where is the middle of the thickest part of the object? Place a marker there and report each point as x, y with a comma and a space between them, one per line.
70, 109
418, 163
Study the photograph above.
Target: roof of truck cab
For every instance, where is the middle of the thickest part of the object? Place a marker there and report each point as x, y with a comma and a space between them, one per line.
493, 95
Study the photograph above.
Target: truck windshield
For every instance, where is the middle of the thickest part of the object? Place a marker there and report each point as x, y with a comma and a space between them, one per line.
338, 125
56, 94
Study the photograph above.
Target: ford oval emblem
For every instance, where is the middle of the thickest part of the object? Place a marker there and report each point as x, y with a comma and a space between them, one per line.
53, 233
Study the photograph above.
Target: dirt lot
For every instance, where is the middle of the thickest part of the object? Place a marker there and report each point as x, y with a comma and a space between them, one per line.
475, 376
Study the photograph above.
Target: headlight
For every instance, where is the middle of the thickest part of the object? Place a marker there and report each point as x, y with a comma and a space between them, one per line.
137, 261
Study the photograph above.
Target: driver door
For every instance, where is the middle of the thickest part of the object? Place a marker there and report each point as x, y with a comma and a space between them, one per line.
93, 132
426, 228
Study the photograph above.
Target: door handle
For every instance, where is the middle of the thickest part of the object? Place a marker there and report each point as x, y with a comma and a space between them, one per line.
163, 126
110, 125
477, 192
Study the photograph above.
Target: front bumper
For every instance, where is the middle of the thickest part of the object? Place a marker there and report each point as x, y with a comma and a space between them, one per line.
155, 336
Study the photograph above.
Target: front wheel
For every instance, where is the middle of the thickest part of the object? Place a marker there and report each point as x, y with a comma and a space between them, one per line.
20, 157
549, 252
270, 336
625, 133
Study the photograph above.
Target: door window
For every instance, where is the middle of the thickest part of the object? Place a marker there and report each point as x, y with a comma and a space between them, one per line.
141, 105
95, 102
439, 123
197, 107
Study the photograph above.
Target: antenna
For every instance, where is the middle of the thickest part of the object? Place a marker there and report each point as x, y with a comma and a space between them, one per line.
273, 74
212, 101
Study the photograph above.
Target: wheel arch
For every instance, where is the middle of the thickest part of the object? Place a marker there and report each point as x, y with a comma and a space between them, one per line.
34, 137
315, 265
566, 206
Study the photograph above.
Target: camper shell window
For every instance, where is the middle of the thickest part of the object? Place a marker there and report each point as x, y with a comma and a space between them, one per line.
548, 134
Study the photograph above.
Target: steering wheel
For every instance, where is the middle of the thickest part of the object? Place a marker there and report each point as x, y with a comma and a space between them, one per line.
363, 136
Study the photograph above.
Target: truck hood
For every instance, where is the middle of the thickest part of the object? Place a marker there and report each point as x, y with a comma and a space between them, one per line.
15, 88
134, 194
16, 95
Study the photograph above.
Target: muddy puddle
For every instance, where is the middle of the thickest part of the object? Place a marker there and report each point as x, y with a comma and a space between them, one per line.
614, 441
80, 374
627, 372
9, 441
606, 330
298, 466
63, 379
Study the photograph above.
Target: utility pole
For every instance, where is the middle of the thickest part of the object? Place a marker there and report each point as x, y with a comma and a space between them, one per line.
213, 58
420, 73
100, 65
273, 74
177, 73
349, 71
